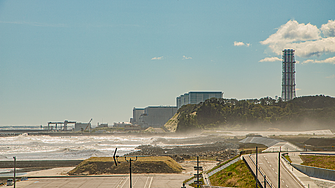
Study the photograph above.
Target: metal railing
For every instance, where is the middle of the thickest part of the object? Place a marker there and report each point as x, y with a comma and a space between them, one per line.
261, 171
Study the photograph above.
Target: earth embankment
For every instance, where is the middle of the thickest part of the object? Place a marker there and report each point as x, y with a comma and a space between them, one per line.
106, 165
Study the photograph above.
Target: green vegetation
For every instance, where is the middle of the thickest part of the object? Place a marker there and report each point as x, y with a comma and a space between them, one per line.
288, 158
236, 175
319, 161
218, 166
105, 165
231, 113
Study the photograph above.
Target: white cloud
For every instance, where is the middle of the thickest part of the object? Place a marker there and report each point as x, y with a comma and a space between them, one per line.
293, 31
157, 58
328, 29
241, 44
330, 60
304, 38
184, 57
270, 59
310, 48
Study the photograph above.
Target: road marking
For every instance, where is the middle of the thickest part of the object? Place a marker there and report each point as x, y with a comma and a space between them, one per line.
124, 182
136, 181
146, 182
150, 182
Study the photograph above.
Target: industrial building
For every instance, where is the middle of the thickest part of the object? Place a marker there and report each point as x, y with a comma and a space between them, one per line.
137, 112
288, 75
153, 116
197, 97
64, 125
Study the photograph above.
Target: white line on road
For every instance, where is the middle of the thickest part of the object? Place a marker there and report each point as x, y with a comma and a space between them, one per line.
150, 182
146, 182
124, 182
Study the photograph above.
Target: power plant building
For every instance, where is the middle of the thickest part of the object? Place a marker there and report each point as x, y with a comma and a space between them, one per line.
288, 75
153, 116
197, 97
137, 112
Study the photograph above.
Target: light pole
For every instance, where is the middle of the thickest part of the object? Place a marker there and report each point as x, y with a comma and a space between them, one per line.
279, 169
130, 169
256, 166
14, 171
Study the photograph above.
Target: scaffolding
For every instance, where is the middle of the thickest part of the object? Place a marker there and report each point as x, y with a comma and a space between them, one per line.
288, 75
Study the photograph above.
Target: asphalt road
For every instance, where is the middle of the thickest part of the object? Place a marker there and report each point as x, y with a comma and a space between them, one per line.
268, 162
138, 181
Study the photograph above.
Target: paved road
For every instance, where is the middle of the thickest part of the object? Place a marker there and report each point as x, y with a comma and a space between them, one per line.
139, 181
268, 162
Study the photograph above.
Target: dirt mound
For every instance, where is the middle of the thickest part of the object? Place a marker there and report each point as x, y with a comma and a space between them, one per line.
105, 165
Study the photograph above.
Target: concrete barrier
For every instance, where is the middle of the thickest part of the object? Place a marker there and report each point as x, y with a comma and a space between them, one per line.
40, 163
316, 172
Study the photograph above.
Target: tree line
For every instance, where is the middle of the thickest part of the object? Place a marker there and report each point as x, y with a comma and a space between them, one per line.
265, 111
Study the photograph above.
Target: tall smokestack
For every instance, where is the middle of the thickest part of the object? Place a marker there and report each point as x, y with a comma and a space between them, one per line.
288, 76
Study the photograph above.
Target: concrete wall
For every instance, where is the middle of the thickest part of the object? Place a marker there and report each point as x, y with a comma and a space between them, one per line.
316, 172
40, 163
82, 126
157, 116
137, 112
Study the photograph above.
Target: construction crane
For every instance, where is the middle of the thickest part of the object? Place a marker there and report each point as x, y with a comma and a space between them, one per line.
88, 125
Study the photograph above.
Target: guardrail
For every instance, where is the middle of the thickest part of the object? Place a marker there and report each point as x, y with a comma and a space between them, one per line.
217, 170
294, 176
261, 171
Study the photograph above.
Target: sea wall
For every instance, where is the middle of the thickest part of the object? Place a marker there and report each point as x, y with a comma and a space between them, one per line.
316, 172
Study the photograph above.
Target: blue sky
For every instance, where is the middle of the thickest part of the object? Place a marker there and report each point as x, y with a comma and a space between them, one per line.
78, 60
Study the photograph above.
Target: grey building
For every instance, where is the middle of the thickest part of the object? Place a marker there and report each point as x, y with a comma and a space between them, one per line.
194, 97
82, 126
155, 116
137, 112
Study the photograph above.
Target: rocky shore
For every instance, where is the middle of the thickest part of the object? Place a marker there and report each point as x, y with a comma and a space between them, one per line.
219, 151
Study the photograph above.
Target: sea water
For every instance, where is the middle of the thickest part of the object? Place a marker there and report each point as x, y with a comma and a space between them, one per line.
25, 147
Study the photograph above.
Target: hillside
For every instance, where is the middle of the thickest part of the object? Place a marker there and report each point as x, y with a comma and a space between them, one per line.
308, 112
105, 165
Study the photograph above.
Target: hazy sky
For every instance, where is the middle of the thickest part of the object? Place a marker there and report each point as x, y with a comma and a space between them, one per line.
78, 60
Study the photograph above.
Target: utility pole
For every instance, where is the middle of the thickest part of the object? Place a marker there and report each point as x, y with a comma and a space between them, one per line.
256, 166
264, 181
14, 171
198, 168
198, 171
130, 160
279, 169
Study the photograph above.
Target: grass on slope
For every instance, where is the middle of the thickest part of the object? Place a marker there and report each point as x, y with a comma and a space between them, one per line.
105, 165
319, 161
288, 158
236, 175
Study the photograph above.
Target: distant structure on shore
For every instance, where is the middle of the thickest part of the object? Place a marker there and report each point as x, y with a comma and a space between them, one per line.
194, 97
153, 116
78, 126
288, 75
157, 116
